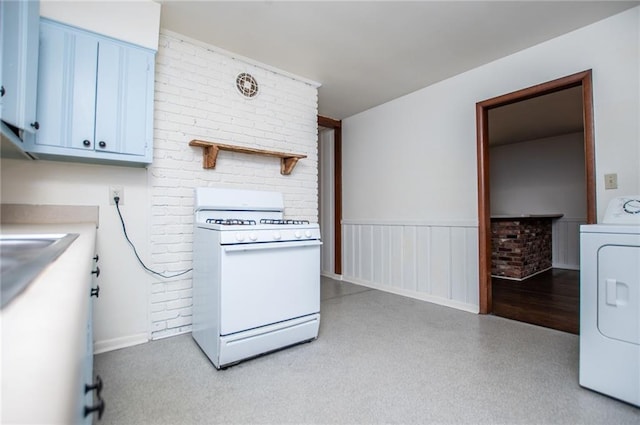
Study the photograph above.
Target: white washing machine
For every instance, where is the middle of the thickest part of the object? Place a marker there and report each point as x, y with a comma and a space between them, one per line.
610, 302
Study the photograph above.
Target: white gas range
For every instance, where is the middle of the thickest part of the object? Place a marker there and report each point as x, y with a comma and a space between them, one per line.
256, 281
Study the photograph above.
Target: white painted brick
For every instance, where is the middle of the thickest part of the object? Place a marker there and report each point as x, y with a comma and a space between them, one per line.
155, 307
165, 333
157, 287
179, 287
161, 297
196, 99
158, 249
180, 321
164, 315
158, 326
179, 304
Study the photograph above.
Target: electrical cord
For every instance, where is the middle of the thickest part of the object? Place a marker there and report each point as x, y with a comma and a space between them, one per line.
116, 199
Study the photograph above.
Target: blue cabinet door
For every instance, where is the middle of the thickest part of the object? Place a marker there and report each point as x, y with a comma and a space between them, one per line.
19, 22
95, 98
124, 99
66, 88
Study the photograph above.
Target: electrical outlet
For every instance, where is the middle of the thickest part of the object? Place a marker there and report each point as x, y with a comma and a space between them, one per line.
611, 181
116, 191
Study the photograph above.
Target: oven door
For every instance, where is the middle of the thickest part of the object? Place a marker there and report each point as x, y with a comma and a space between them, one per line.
266, 283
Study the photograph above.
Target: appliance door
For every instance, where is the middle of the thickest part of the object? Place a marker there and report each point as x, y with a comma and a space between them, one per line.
266, 283
619, 292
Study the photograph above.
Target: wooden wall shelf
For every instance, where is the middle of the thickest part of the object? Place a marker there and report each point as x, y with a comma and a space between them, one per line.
210, 154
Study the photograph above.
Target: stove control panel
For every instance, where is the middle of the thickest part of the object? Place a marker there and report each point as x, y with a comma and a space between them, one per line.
241, 236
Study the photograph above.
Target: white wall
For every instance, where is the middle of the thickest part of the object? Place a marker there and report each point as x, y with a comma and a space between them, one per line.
121, 311
413, 160
135, 21
195, 97
541, 176
544, 176
121, 314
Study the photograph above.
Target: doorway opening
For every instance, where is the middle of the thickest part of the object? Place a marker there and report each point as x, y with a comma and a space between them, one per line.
580, 80
330, 193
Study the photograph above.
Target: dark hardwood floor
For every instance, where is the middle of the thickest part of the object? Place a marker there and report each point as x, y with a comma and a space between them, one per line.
550, 299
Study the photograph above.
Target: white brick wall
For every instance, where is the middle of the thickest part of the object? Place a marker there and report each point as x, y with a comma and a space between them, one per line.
196, 98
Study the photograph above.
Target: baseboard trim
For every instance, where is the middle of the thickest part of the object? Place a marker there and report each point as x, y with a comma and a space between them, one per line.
520, 279
470, 308
566, 266
331, 275
118, 343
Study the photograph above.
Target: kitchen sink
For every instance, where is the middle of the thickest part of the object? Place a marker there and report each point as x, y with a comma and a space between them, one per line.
24, 256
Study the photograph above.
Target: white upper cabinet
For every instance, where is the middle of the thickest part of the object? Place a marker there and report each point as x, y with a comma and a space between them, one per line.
19, 51
95, 98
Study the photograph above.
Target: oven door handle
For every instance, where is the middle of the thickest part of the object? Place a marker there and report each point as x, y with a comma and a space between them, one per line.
270, 245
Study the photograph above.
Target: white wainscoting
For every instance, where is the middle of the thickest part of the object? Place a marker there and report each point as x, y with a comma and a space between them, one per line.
566, 243
434, 261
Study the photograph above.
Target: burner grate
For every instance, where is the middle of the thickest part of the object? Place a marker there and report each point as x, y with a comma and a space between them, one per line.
282, 221
231, 221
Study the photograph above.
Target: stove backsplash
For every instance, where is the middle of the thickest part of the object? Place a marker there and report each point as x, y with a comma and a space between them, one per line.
196, 98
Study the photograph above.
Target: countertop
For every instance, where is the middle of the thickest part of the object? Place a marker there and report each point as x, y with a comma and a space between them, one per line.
524, 216
44, 331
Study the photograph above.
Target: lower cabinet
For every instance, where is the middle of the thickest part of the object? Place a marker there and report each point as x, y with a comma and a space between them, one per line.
94, 98
91, 405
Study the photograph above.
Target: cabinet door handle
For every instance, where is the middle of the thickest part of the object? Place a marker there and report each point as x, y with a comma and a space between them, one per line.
95, 292
86, 143
102, 144
99, 407
96, 258
2, 92
97, 385
35, 125
96, 271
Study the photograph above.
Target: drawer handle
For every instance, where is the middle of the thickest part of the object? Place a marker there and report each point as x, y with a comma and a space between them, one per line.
95, 292
97, 270
2, 92
102, 144
35, 125
86, 143
99, 407
97, 385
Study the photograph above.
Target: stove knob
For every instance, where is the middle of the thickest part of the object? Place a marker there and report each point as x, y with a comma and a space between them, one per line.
277, 236
253, 236
239, 237
297, 234
307, 234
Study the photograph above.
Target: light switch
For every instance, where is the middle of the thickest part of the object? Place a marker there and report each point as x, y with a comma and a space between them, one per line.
611, 181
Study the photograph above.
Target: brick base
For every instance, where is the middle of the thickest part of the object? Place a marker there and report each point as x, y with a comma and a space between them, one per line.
520, 247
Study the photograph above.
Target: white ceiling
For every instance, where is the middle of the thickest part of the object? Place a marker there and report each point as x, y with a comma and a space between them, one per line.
537, 118
365, 53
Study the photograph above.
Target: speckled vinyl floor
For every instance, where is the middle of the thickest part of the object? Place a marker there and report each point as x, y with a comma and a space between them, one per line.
380, 358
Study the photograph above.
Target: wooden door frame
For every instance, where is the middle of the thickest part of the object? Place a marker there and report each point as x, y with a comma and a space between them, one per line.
336, 126
482, 127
